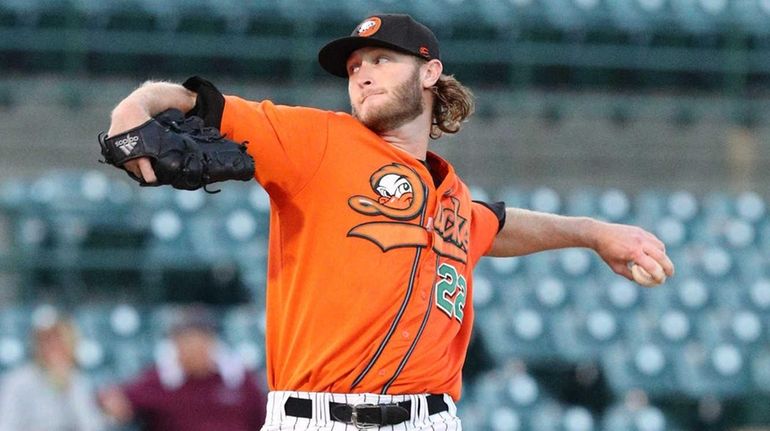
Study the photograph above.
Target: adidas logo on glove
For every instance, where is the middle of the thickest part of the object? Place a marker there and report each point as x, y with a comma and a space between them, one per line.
185, 154
127, 144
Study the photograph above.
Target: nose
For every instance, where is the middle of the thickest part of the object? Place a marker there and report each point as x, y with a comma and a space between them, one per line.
364, 77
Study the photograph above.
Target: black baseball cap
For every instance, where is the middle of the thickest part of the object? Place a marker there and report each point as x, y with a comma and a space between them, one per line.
395, 31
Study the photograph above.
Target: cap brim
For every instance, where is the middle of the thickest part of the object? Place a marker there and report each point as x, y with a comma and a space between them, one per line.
333, 57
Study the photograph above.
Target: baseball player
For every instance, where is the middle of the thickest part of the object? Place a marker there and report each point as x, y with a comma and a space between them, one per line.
373, 238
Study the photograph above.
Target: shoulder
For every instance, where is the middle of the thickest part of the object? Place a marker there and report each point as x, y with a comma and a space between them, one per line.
143, 387
23, 373
306, 112
147, 378
297, 115
268, 105
23, 379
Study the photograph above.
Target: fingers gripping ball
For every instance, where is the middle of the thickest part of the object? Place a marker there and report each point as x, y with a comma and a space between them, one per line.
646, 279
183, 153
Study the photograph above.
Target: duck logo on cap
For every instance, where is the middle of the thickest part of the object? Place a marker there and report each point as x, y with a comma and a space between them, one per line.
369, 26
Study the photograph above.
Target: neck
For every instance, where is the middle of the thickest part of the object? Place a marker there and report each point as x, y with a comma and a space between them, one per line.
412, 137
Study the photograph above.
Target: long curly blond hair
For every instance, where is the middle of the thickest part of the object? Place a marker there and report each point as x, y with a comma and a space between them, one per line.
452, 105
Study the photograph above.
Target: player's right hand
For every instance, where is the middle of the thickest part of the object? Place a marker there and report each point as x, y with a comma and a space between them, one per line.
619, 244
142, 168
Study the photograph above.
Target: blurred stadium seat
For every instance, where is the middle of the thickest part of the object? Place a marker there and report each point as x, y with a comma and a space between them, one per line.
683, 205
693, 295
636, 416
757, 295
760, 371
671, 231
545, 199
645, 366
512, 399
614, 206
581, 337
720, 370
581, 202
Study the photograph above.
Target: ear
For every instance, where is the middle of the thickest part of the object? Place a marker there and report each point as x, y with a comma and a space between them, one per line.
431, 72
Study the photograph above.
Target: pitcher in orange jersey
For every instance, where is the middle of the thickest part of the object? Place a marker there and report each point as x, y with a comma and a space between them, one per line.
373, 238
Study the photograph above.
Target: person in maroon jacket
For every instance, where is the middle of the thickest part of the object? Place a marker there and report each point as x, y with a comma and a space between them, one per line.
198, 385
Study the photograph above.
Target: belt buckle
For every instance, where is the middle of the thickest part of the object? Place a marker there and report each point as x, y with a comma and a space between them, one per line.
354, 418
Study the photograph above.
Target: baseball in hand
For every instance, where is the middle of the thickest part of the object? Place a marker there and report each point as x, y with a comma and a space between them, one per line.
644, 278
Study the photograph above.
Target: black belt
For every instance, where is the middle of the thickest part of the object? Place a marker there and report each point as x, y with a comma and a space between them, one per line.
364, 415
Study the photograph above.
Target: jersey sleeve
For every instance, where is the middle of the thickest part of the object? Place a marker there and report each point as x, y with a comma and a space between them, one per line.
486, 221
286, 142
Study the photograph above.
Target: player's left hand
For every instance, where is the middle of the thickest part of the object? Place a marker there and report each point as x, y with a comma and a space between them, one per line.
619, 244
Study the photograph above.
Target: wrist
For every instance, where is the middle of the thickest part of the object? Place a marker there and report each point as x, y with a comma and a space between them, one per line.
126, 116
589, 232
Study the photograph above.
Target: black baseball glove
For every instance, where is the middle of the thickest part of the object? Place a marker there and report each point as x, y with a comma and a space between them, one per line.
183, 153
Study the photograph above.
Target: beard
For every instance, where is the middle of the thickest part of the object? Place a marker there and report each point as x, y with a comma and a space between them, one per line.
405, 105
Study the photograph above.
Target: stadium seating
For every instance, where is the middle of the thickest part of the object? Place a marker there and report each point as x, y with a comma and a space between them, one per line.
118, 340
703, 334
512, 400
636, 416
631, 15
508, 40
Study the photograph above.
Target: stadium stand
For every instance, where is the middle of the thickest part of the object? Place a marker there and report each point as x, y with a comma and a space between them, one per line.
711, 44
702, 335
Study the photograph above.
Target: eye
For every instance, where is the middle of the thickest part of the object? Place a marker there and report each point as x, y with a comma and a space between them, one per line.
383, 191
402, 186
382, 59
353, 65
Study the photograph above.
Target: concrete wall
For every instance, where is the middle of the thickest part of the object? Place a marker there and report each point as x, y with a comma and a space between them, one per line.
46, 127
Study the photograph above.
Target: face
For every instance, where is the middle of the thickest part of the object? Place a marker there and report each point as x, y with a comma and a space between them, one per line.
194, 349
55, 347
385, 88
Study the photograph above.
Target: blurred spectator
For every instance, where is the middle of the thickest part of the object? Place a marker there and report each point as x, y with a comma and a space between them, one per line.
196, 385
50, 393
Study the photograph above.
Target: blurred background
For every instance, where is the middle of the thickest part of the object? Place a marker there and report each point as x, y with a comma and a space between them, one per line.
650, 112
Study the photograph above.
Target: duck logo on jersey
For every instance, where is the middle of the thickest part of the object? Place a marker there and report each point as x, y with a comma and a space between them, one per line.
400, 196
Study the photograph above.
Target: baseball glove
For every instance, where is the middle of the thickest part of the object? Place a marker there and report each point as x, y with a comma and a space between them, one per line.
183, 153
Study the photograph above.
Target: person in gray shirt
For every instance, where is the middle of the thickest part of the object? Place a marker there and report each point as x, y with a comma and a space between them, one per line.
49, 393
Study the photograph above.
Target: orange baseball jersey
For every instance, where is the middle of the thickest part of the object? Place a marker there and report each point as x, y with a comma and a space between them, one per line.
369, 286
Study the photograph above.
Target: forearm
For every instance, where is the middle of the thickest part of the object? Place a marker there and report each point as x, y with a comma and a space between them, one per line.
150, 99
527, 232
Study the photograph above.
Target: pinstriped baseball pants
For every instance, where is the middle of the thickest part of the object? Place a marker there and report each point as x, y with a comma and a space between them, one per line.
278, 420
